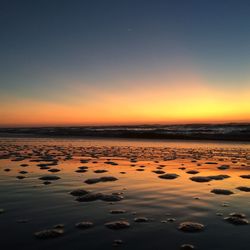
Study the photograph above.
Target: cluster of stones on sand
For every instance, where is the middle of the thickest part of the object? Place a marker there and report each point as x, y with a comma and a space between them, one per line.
46, 160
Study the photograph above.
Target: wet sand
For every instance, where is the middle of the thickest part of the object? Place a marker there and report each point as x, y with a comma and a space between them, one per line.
128, 194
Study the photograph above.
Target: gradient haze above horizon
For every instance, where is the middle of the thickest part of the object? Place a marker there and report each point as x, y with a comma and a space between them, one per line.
124, 62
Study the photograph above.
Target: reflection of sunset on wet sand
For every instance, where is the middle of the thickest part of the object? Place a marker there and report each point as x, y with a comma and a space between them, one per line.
147, 186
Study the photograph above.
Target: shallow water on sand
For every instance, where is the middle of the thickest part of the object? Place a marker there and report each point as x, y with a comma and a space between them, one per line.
29, 206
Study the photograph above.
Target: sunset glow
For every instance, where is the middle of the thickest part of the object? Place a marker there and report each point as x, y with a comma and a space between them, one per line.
186, 101
169, 66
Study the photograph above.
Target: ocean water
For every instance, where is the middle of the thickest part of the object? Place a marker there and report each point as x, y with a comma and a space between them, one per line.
29, 205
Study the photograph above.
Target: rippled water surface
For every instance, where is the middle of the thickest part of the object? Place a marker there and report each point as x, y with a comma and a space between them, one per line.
29, 204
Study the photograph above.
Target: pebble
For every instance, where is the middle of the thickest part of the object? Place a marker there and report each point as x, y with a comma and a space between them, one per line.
98, 171
245, 176
200, 179
221, 191
224, 167
49, 233
79, 192
237, 219
54, 170
169, 176
158, 171
84, 224
117, 211
187, 247
192, 172
141, 219
117, 243
89, 197
49, 178
244, 189
117, 225
101, 179
191, 227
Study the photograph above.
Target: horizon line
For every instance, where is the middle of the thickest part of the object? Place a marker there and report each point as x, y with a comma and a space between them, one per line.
123, 124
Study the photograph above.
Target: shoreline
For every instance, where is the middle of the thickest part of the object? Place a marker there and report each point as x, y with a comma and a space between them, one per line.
186, 132
161, 139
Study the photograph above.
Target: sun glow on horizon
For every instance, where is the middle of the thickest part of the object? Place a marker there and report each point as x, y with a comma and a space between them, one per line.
186, 99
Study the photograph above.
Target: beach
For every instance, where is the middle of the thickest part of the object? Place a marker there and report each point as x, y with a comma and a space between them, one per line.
132, 194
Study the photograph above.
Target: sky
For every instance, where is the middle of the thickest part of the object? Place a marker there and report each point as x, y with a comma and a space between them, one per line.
94, 62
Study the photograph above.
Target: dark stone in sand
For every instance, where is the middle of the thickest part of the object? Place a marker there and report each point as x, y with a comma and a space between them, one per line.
23, 172
158, 171
59, 226
237, 219
245, 189
44, 167
200, 178
191, 227
169, 176
141, 219
83, 167
219, 177
224, 167
98, 171
24, 165
47, 182
89, 197
171, 219
245, 176
84, 161
209, 178
117, 243
238, 215
84, 224
192, 172
187, 247
111, 163
140, 169
101, 179
211, 162
117, 225
49, 178
182, 168
81, 170
54, 170
221, 191
111, 197
92, 181
6, 169
79, 192
49, 233
118, 211
20, 177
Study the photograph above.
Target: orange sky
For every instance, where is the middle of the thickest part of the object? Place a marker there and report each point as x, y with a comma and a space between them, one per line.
185, 99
